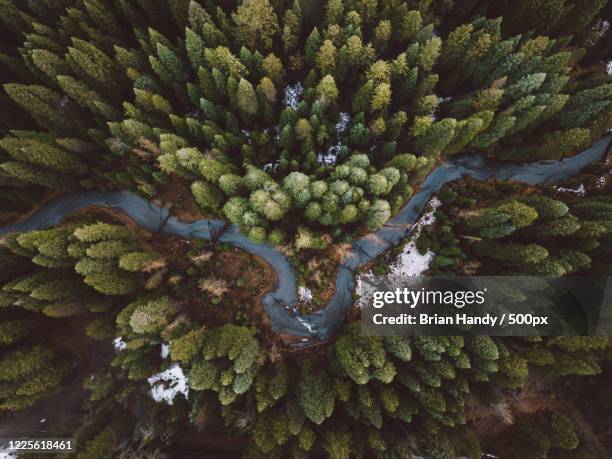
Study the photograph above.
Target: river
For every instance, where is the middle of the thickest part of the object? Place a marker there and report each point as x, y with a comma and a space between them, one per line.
278, 303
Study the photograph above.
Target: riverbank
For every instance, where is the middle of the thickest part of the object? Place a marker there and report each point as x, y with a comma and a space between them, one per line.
277, 304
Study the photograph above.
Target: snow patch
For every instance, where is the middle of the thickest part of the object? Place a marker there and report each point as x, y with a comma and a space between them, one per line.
601, 181
408, 263
306, 323
580, 191
168, 384
293, 94
164, 351
330, 156
609, 67
304, 294
271, 167
343, 121
119, 344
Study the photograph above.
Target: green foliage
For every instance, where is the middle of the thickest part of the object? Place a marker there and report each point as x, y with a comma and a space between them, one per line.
160, 93
102, 232
185, 348
559, 231
161, 96
150, 316
316, 395
545, 207
140, 261
363, 358
227, 362
102, 445
206, 195
112, 282
545, 431
29, 373
256, 23
12, 331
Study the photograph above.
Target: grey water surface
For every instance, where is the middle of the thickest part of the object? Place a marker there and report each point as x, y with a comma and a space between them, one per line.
280, 303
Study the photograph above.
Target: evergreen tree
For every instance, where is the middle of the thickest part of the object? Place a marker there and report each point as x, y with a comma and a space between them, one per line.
293, 121
256, 23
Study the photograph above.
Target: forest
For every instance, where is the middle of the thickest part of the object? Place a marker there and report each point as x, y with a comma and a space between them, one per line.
303, 125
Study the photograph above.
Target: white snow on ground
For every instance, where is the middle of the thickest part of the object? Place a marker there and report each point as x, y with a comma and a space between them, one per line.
293, 94
580, 191
119, 343
305, 322
330, 156
164, 351
602, 181
168, 384
609, 68
343, 121
408, 263
270, 167
304, 294
4, 455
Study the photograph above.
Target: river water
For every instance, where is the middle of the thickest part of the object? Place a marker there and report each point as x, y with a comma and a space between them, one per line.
279, 303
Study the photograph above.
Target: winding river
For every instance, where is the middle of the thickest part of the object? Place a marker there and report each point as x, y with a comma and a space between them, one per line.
279, 304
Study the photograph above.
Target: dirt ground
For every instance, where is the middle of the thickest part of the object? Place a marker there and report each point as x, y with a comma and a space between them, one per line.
183, 205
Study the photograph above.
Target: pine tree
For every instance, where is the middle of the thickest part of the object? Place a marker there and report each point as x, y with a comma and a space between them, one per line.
437, 137
112, 282
41, 154
45, 105
511, 253
273, 68
272, 113
256, 23
327, 90
247, 99
140, 261
30, 373
315, 395
326, 58
541, 15
186, 347
150, 316
12, 331
206, 195
378, 214
101, 445
102, 232
28, 173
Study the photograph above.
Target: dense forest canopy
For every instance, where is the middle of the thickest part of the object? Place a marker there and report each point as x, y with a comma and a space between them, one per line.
271, 112
306, 123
